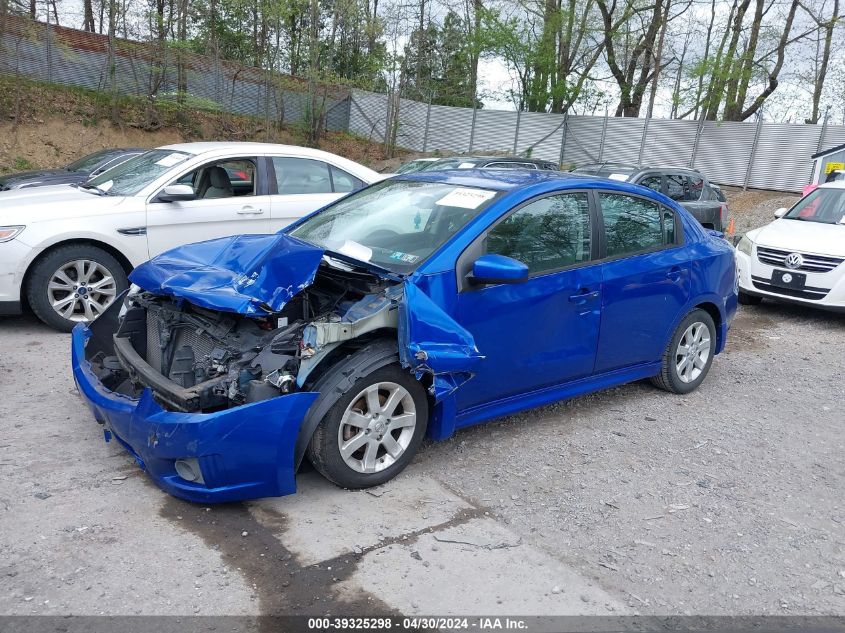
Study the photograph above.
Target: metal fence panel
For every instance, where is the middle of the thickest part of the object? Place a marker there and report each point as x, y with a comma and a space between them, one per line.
540, 133
412, 120
781, 159
724, 151
449, 129
368, 115
583, 140
669, 142
622, 140
494, 131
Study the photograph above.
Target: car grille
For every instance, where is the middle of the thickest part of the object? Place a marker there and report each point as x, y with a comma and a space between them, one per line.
813, 294
202, 344
812, 263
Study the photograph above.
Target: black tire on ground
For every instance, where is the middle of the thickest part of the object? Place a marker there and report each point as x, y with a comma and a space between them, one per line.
338, 388
44, 269
749, 300
669, 378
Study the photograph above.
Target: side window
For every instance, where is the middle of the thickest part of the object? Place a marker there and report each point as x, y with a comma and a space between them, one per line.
668, 226
696, 187
301, 175
222, 179
677, 188
343, 182
631, 225
652, 182
548, 234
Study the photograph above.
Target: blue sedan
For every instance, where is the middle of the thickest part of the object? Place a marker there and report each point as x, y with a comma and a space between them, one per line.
419, 305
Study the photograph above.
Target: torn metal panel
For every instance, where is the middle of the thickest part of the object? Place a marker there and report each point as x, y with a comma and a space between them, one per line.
432, 342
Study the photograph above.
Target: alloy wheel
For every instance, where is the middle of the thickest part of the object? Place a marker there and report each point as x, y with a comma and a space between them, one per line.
81, 290
377, 427
693, 352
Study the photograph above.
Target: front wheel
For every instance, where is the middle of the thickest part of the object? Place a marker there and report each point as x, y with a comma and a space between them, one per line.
689, 354
372, 431
73, 284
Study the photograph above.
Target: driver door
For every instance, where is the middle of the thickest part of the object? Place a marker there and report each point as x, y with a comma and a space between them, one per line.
232, 199
543, 331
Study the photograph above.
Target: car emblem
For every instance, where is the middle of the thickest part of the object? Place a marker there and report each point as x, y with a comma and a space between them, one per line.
794, 260
786, 278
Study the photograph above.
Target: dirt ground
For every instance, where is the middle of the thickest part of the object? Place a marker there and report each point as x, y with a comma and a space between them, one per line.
727, 501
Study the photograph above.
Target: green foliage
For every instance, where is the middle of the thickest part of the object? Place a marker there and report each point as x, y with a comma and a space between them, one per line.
22, 164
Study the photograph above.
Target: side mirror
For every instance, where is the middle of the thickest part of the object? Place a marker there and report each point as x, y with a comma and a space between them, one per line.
497, 269
779, 213
176, 193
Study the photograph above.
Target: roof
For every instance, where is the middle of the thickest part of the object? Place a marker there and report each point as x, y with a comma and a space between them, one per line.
499, 180
825, 152
251, 147
836, 184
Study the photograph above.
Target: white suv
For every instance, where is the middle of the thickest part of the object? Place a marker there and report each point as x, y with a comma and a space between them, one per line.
67, 250
800, 257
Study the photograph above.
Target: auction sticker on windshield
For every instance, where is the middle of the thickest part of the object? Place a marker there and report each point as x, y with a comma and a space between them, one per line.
171, 159
466, 198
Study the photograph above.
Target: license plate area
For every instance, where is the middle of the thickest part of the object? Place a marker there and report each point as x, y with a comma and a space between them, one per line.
788, 279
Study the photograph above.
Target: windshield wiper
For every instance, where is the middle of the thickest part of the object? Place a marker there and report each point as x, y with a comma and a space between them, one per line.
94, 189
365, 265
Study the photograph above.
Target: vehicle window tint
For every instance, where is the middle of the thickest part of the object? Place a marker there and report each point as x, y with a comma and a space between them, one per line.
222, 179
343, 182
505, 166
696, 187
631, 224
301, 175
677, 187
652, 182
548, 234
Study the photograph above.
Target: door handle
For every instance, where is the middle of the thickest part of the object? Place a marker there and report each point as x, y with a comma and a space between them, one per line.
584, 295
248, 210
674, 273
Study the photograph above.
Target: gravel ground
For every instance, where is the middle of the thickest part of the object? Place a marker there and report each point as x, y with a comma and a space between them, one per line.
727, 501
754, 208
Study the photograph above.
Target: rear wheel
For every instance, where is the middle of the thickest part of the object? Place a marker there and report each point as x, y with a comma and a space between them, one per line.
749, 300
689, 354
74, 284
373, 429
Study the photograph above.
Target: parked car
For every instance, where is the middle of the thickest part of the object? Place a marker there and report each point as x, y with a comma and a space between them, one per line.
488, 162
836, 175
799, 257
67, 250
422, 304
414, 165
77, 172
687, 187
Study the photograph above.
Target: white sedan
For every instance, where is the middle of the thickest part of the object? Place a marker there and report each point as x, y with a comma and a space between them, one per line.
800, 257
66, 250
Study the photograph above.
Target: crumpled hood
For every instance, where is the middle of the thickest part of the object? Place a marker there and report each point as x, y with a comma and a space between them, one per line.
245, 274
804, 237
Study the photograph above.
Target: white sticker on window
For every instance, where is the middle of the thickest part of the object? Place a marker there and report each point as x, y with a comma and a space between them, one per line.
842, 221
466, 165
171, 159
466, 198
622, 177
356, 251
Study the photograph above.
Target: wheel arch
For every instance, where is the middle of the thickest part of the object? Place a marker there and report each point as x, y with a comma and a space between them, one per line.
110, 249
718, 319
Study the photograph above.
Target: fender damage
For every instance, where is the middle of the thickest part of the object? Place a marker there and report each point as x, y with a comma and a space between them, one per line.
203, 372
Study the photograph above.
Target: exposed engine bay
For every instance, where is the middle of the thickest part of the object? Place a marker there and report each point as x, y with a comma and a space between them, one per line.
199, 360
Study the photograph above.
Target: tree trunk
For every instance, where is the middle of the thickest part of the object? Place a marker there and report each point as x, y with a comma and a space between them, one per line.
821, 74
88, 16
658, 57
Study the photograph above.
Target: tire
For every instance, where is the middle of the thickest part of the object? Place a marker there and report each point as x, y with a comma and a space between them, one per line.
370, 463
676, 376
62, 267
749, 300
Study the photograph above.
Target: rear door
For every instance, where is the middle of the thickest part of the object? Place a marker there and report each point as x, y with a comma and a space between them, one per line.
645, 279
300, 186
232, 199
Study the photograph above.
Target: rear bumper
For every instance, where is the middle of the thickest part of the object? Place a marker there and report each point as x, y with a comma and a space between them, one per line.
243, 453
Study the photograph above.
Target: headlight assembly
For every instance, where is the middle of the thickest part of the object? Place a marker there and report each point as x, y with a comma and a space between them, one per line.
8, 233
745, 246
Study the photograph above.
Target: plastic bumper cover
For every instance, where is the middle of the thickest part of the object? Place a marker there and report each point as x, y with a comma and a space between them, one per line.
243, 453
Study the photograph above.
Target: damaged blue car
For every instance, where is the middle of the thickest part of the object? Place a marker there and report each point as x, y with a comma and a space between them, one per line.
414, 307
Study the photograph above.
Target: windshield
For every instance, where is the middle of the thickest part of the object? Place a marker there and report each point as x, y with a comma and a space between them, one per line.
826, 206
395, 224
88, 163
130, 177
